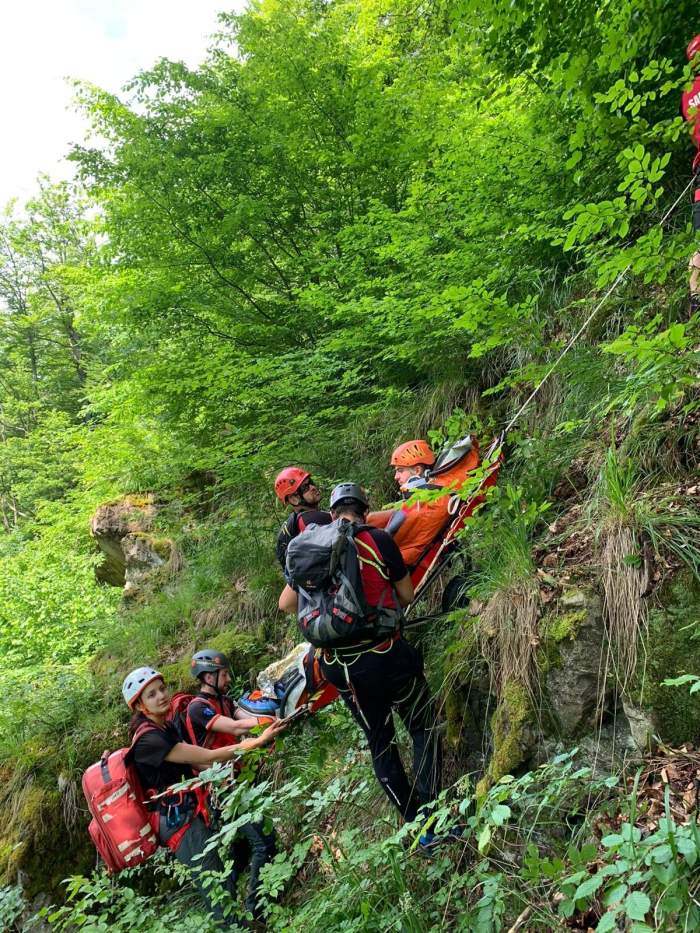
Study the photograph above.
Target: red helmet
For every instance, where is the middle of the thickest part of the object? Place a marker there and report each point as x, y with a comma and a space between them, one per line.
412, 453
288, 481
693, 48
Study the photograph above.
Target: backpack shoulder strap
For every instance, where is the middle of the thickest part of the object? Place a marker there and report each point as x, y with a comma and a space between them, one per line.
291, 526
188, 719
142, 730
346, 532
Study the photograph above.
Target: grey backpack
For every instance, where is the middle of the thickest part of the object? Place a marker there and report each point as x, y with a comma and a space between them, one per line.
323, 566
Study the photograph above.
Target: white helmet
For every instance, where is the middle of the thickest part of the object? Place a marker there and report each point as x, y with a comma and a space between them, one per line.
136, 682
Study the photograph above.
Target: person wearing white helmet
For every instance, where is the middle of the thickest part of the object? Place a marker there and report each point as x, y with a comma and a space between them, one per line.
162, 759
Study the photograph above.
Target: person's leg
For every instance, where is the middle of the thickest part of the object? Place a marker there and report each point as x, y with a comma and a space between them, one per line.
368, 696
240, 850
417, 711
263, 847
405, 684
192, 844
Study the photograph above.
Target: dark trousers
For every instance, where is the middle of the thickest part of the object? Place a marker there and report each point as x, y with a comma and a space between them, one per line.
252, 843
263, 847
373, 685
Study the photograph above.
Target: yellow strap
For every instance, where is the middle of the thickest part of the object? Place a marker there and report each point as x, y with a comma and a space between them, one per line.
373, 561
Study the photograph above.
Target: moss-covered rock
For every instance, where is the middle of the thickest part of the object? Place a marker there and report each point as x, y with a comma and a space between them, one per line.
246, 653
513, 736
467, 697
34, 847
673, 648
573, 638
110, 523
565, 626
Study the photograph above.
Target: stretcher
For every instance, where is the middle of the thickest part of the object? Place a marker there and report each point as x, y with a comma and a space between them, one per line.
295, 685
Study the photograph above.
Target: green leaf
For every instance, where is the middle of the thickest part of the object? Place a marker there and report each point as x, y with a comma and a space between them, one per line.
499, 814
588, 887
612, 840
615, 894
608, 921
484, 838
636, 905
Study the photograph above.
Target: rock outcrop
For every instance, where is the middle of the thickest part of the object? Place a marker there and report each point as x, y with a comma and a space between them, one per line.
134, 557
575, 642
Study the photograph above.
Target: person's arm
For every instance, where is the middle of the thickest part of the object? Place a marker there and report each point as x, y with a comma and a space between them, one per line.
233, 726
185, 754
395, 522
398, 571
289, 600
404, 590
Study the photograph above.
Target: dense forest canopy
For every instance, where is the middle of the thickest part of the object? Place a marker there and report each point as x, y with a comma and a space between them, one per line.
356, 221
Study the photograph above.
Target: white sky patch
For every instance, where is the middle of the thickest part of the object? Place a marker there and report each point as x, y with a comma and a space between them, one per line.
103, 42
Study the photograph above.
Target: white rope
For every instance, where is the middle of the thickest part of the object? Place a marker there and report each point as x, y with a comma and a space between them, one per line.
593, 313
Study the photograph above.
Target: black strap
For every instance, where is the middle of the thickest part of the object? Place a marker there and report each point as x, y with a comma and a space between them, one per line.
104, 768
420, 620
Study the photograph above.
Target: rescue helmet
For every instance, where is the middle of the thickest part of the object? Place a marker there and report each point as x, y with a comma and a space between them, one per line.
209, 661
136, 682
348, 492
288, 481
413, 453
693, 48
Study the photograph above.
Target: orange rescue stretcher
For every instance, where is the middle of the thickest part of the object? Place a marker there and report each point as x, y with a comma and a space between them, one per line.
427, 538
428, 531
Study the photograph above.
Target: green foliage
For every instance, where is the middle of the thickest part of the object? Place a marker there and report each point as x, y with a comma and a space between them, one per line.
353, 224
662, 365
370, 876
97, 905
646, 881
511, 521
11, 906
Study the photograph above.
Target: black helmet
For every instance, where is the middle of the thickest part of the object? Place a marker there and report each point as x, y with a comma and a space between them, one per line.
352, 491
209, 661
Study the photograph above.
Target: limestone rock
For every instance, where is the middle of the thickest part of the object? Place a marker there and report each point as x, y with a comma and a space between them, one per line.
573, 679
111, 523
134, 557
642, 726
147, 561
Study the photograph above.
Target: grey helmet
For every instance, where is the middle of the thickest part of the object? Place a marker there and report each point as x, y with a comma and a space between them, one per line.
136, 682
209, 661
349, 491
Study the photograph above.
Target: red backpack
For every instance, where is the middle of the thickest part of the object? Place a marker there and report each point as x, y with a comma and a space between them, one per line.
122, 829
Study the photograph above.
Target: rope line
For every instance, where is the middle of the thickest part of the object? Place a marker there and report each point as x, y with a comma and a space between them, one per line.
430, 576
593, 313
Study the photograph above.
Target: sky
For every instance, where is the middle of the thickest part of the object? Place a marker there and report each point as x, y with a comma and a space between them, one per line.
104, 42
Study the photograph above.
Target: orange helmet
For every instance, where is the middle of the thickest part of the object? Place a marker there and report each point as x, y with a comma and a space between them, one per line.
412, 453
288, 481
693, 48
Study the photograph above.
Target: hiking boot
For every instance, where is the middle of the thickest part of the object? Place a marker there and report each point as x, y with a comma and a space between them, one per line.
694, 305
427, 843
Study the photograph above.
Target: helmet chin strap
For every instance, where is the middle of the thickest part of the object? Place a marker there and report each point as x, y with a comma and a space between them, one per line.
215, 685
